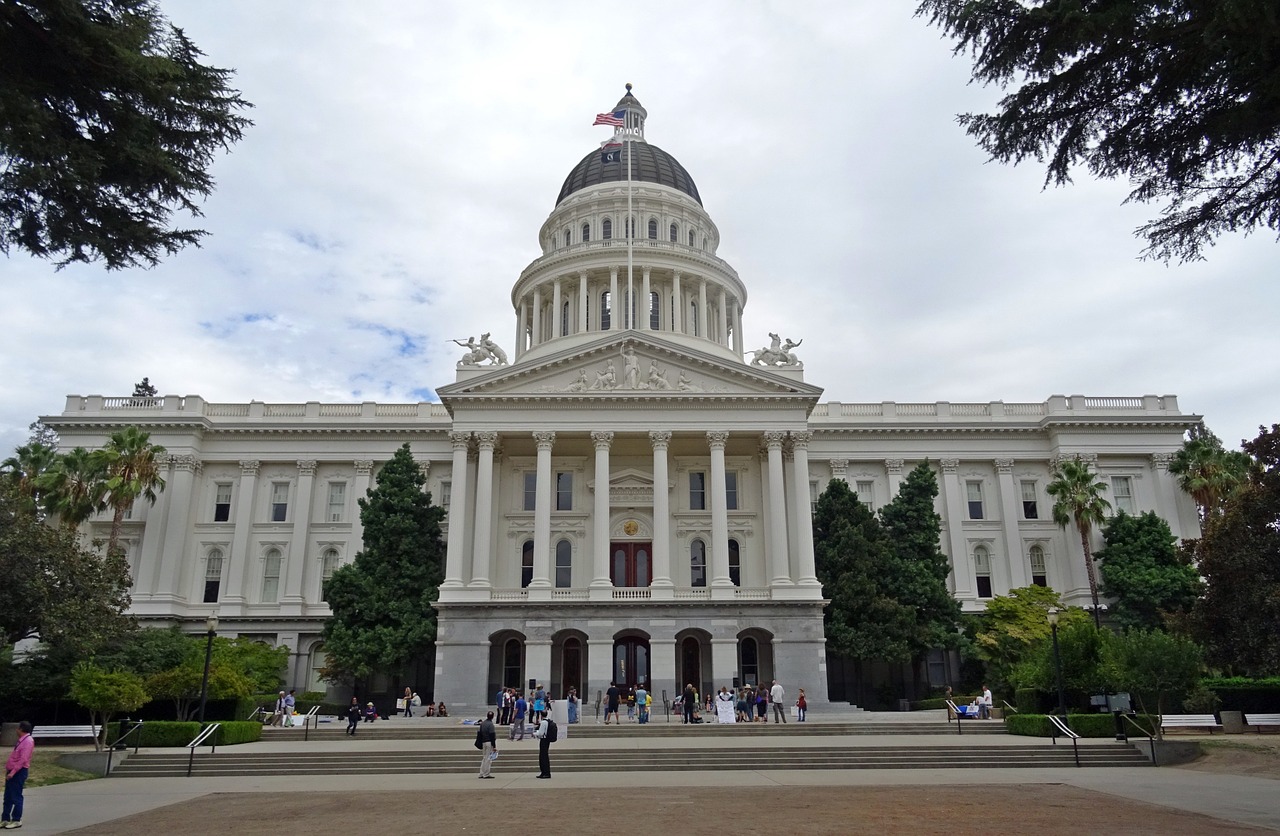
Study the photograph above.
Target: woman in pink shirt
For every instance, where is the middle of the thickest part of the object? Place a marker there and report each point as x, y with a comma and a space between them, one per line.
15, 776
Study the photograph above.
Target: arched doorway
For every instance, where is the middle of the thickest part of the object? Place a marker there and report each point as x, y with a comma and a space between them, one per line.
571, 667
631, 662
690, 663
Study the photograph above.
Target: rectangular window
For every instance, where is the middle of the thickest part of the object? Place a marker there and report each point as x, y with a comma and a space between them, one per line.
866, 490
279, 501
337, 501
813, 496
271, 577
530, 490
1122, 494
697, 491
564, 491
446, 494
1030, 510
731, 490
974, 490
222, 502
212, 576
982, 571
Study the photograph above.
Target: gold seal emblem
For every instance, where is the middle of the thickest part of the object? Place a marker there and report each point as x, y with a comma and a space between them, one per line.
630, 527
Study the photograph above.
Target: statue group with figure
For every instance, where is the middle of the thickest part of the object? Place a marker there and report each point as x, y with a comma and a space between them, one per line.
777, 353
479, 352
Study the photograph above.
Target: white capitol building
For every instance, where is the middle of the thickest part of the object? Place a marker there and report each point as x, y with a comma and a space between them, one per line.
629, 491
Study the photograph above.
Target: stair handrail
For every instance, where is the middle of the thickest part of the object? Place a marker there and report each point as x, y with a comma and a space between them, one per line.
1009, 707
955, 710
1148, 735
137, 727
1060, 726
211, 729
306, 722
256, 712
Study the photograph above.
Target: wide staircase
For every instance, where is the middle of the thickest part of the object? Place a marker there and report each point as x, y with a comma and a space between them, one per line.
447, 749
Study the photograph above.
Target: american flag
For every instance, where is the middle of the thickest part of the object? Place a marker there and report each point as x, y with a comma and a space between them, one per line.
615, 118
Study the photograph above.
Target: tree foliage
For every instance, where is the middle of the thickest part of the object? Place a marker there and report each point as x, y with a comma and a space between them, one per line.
1153, 665
1014, 626
1208, 471
131, 471
108, 124
1081, 648
144, 389
1077, 495
73, 488
1181, 98
26, 472
1145, 573
106, 693
383, 603
182, 685
53, 588
1239, 557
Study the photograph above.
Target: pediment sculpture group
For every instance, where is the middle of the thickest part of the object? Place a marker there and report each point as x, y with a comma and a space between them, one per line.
608, 379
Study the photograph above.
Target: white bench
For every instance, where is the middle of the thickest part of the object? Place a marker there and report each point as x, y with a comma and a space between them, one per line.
1260, 720
1190, 721
66, 731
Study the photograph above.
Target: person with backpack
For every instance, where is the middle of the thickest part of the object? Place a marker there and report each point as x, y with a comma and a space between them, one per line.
547, 733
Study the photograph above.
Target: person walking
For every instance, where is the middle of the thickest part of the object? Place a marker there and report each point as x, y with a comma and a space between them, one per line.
277, 713
547, 733
408, 702
611, 706
776, 696
984, 704
572, 710
642, 705
517, 718
353, 716
290, 703
487, 743
801, 707
16, 769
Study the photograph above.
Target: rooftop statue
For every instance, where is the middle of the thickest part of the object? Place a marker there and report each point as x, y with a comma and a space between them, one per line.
777, 353
478, 352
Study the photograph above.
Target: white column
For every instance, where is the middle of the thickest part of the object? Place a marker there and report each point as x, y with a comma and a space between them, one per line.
454, 570
722, 318
661, 441
239, 556
779, 563
542, 514
719, 513
724, 663
893, 467
583, 325
646, 301
599, 669
1009, 498
298, 541
521, 333
175, 531
481, 556
631, 301
804, 521
538, 336
556, 314
702, 309
953, 501
364, 470
737, 327
613, 300
677, 304
600, 512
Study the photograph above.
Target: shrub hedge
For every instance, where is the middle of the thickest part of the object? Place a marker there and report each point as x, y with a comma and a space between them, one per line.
1085, 725
1239, 693
161, 733
940, 702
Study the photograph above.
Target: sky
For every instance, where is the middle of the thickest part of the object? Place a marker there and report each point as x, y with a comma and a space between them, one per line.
404, 156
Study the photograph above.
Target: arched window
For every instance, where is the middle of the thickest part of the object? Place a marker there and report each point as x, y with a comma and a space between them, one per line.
564, 565
655, 311
606, 311
568, 239
212, 576
735, 563
512, 663
586, 233
328, 564
631, 226
749, 662
692, 325
606, 228
697, 563
564, 320
526, 564
653, 229
271, 576
982, 570
675, 234
317, 659
1039, 576
691, 238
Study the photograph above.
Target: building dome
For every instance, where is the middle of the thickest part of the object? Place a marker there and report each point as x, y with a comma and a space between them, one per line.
651, 165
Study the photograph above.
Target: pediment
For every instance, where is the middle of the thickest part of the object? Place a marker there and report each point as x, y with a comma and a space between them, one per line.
629, 365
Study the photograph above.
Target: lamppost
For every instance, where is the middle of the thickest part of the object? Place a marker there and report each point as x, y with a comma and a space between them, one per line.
1057, 659
1098, 610
211, 625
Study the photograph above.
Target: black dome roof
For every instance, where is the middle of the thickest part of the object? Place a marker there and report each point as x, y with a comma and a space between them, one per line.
651, 165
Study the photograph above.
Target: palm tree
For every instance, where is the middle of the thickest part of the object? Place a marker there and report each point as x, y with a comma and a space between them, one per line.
25, 469
73, 487
1078, 498
1208, 471
132, 469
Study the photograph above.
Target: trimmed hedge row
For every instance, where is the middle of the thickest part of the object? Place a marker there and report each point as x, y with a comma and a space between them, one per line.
160, 733
1085, 725
939, 702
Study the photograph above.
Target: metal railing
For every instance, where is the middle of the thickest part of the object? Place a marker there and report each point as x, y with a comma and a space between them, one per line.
308, 720
959, 715
1061, 727
137, 729
210, 730
1009, 707
1150, 736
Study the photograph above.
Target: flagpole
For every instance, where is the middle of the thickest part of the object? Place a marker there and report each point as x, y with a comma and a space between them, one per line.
631, 234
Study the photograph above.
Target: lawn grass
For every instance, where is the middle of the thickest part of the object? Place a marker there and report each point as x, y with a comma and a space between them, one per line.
46, 771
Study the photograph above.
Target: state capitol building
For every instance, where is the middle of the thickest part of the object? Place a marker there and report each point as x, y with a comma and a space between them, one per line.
628, 491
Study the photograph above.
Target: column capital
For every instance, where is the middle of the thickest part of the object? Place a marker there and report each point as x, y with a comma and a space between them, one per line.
1004, 465
838, 467
187, 463
774, 439
486, 439
801, 439
949, 465
1162, 460
545, 439
602, 439
307, 467
249, 467
363, 466
659, 439
459, 439
717, 439
894, 466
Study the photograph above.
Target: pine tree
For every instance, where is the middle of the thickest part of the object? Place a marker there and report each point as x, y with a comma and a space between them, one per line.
383, 603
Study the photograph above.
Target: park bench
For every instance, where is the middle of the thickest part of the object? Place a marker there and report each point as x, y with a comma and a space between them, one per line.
1260, 720
1190, 721
66, 731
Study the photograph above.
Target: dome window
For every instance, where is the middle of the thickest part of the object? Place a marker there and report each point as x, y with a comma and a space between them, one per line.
691, 238
675, 234
586, 233
568, 239
606, 229
606, 311
653, 229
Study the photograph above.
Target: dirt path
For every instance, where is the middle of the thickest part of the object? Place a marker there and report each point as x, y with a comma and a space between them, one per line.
949, 810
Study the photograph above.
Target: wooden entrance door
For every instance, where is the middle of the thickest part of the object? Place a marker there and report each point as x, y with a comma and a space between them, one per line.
631, 664
631, 564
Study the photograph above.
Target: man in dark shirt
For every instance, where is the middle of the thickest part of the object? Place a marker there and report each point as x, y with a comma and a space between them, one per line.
487, 737
611, 707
